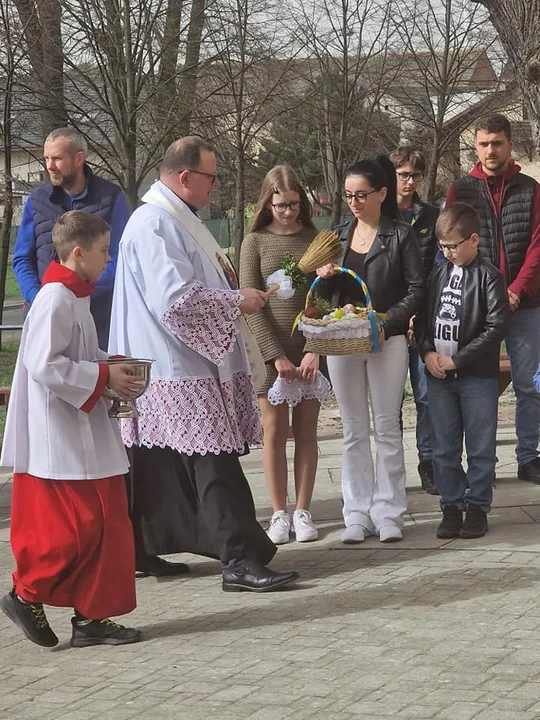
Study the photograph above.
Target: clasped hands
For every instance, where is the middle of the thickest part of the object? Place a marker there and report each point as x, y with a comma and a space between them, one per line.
438, 365
308, 370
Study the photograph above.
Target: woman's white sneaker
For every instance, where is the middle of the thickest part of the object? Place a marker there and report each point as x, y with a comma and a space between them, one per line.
353, 534
304, 527
280, 527
390, 533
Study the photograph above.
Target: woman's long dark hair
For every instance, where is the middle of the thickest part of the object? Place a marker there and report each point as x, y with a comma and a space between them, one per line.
379, 173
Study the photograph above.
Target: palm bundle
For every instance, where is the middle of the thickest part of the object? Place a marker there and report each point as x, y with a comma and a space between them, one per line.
292, 275
324, 248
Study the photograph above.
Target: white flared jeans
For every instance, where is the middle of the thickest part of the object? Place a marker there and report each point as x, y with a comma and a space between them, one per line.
373, 497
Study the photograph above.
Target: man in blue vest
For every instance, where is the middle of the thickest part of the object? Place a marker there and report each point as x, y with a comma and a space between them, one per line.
508, 203
72, 186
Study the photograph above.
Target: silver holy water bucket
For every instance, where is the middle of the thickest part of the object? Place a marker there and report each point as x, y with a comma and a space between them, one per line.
120, 407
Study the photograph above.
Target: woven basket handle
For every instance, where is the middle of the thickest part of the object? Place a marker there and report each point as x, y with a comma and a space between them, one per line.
344, 271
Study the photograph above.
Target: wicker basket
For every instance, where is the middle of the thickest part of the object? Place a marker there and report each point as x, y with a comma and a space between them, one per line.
343, 346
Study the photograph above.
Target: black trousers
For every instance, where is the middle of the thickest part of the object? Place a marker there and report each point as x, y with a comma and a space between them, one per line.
199, 504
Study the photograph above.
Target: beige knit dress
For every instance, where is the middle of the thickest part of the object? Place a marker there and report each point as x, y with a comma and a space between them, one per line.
261, 255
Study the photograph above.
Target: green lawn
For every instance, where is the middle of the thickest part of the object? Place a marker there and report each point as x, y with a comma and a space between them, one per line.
12, 289
8, 356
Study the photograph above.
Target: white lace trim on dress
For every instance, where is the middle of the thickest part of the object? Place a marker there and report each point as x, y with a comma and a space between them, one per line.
196, 416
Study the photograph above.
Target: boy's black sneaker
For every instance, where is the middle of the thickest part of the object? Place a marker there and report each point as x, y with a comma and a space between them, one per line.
425, 471
475, 524
102, 632
451, 522
31, 618
530, 471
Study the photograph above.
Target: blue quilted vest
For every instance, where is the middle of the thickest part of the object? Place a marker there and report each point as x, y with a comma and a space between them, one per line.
49, 203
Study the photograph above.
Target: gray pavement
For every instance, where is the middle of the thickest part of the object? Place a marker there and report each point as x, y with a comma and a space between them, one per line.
421, 629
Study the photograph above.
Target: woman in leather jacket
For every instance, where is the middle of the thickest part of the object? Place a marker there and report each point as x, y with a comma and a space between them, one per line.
385, 253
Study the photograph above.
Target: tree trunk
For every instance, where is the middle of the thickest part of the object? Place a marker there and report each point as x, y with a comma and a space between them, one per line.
167, 93
41, 22
5, 231
239, 205
516, 22
188, 86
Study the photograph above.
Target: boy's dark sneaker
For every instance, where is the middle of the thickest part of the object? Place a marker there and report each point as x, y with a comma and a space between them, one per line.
451, 522
31, 618
102, 632
475, 524
530, 471
425, 470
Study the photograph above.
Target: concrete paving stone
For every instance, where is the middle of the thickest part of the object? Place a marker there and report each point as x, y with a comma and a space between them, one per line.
460, 711
419, 712
494, 713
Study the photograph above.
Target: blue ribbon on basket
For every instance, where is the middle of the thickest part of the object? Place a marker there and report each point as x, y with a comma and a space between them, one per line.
374, 317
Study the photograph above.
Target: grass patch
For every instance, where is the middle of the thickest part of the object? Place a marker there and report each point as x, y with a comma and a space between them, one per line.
8, 357
12, 287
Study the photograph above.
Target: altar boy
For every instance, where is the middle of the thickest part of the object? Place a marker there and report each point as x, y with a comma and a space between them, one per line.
70, 530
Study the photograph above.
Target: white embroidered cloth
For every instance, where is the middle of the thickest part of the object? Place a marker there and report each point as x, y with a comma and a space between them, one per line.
280, 277
337, 330
294, 392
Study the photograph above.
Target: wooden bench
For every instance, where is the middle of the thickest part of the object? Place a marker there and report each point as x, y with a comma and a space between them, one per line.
4, 396
505, 376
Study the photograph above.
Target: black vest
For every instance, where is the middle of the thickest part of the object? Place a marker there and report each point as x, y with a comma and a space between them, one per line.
516, 216
50, 202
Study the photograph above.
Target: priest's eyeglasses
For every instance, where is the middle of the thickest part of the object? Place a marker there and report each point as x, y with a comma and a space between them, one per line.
213, 176
414, 176
452, 248
282, 207
359, 197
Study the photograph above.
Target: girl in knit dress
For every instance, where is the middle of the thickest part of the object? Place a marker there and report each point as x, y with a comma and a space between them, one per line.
282, 224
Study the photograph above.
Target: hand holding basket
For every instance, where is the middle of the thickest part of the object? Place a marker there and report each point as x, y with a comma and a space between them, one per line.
348, 333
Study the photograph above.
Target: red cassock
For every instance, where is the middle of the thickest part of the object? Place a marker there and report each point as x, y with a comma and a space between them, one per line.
73, 543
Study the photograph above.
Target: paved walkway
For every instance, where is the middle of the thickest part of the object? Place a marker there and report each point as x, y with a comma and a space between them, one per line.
421, 629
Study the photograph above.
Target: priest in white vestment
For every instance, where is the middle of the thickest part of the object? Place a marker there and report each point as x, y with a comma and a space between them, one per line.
176, 301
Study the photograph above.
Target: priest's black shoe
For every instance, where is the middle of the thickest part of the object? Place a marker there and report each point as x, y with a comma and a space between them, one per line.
158, 567
254, 577
530, 471
31, 618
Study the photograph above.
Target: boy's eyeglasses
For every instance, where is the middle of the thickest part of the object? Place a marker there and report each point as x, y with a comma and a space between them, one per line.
359, 197
415, 176
282, 207
451, 248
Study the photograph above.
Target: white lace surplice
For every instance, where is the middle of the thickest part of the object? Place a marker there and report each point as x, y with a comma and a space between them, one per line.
172, 305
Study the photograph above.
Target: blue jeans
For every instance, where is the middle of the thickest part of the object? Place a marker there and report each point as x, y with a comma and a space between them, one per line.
417, 371
523, 347
463, 406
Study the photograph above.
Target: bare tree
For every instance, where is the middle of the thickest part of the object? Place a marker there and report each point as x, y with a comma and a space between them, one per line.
12, 55
445, 68
517, 22
41, 22
131, 70
250, 84
349, 69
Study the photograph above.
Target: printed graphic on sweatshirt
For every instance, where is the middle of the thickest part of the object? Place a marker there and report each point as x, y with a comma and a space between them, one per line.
449, 315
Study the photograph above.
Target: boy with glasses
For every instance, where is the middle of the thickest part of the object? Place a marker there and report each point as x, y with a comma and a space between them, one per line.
459, 331
410, 166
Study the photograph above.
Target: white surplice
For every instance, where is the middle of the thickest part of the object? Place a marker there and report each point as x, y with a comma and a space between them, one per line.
172, 303
47, 434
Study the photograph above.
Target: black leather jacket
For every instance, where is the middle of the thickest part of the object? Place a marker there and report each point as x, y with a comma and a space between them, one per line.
393, 273
424, 220
485, 313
